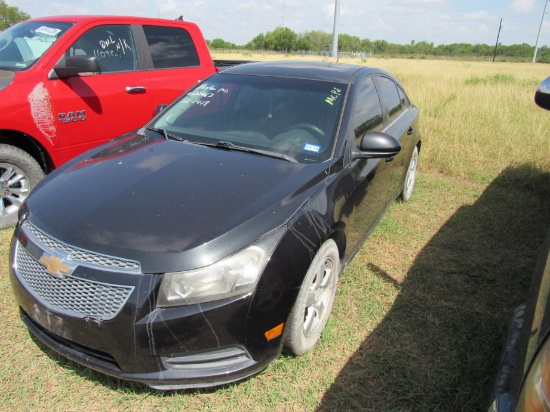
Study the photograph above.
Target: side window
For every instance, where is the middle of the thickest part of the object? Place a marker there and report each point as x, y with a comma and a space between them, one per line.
403, 98
392, 100
113, 45
367, 113
170, 47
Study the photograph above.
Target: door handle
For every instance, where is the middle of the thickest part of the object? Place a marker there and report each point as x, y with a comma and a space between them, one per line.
410, 131
135, 89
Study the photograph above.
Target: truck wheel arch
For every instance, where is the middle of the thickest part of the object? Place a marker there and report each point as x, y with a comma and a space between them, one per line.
23, 164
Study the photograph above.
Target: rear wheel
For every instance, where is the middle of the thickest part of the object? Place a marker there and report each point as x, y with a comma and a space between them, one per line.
19, 173
312, 308
410, 179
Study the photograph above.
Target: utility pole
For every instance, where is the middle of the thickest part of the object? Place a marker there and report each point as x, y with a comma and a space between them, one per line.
538, 36
336, 28
496, 45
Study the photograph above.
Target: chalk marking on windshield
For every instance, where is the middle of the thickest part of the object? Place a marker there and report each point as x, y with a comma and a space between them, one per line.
334, 94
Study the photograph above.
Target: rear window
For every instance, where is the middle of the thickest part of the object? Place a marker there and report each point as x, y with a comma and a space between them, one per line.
392, 100
170, 47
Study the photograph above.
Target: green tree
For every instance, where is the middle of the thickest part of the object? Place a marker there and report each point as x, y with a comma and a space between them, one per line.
218, 44
257, 43
423, 47
9, 15
366, 45
281, 39
380, 46
349, 43
318, 40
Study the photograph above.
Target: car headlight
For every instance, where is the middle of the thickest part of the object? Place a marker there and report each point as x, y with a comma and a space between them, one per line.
234, 275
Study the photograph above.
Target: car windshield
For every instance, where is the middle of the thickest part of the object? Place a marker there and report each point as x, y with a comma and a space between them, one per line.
294, 117
23, 44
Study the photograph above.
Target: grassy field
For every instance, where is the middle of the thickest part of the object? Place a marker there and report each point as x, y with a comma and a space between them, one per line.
421, 312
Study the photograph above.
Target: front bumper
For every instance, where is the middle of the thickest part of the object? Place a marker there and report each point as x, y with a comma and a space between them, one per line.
193, 370
165, 348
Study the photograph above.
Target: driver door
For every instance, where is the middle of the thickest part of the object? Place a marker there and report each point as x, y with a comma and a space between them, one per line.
90, 110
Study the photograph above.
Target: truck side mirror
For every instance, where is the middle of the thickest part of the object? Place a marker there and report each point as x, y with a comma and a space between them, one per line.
83, 65
542, 95
377, 145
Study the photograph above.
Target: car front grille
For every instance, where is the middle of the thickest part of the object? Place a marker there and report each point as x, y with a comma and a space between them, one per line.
83, 256
64, 292
73, 296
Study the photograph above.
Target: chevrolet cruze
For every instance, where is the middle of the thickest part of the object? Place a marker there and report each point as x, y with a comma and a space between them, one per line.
192, 252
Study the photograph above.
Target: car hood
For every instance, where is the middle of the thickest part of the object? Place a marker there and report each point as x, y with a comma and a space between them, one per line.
169, 205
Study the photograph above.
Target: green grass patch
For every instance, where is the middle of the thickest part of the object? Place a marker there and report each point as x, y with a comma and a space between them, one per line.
499, 78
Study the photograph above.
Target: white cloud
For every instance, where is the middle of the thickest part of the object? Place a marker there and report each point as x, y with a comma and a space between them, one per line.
484, 29
252, 7
523, 6
424, 2
480, 15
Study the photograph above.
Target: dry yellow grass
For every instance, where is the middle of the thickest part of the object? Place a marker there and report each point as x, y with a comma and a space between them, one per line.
477, 117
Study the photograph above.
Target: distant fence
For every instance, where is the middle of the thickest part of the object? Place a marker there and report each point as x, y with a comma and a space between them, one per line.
322, 53
344, 55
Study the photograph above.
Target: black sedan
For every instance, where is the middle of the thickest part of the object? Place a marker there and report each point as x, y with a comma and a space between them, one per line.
190, 253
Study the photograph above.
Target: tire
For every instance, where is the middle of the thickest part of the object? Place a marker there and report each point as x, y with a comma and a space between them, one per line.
410, 178
314, 302
19, 173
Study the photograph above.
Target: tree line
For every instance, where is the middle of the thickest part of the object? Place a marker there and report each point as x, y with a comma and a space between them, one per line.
283, 39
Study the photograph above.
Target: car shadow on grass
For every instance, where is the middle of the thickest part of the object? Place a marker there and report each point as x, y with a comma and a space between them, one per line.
438, 346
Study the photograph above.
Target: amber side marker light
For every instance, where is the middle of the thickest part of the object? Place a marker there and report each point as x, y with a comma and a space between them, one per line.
275, 332
535, 394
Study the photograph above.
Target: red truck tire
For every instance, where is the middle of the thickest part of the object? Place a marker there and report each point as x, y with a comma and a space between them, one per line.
19, 173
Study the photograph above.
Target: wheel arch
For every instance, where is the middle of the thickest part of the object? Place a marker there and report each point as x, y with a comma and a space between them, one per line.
30, 145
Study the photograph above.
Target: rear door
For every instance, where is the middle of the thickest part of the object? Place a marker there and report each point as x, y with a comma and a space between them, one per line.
93, 109
176, 58
398, 120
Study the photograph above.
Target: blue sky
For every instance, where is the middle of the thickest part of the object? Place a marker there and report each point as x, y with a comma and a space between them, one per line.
397, 21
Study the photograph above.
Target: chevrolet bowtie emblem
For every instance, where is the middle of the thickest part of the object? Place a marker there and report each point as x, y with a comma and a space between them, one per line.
55, 266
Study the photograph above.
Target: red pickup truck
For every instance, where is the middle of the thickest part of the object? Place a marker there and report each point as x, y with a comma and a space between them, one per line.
70, 83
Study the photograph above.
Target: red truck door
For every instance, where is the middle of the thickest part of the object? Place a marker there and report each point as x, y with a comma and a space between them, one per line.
92, 109
177, 59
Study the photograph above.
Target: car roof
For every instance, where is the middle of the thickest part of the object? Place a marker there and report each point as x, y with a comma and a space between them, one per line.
325, 71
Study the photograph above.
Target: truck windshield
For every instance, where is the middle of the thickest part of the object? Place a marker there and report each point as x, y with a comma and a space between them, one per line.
23, 44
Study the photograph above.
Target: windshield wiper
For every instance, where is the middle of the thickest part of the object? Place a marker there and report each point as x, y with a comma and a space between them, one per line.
166, 134
223, 144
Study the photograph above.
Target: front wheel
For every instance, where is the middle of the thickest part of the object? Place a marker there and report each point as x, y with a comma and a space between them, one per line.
410, 179
19, 173
312, 308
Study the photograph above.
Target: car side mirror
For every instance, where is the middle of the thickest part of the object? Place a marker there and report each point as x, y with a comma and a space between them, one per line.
82, 65
542, 95
377, 145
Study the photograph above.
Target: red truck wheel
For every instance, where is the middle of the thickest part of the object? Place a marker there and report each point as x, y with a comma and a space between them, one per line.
19, 173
